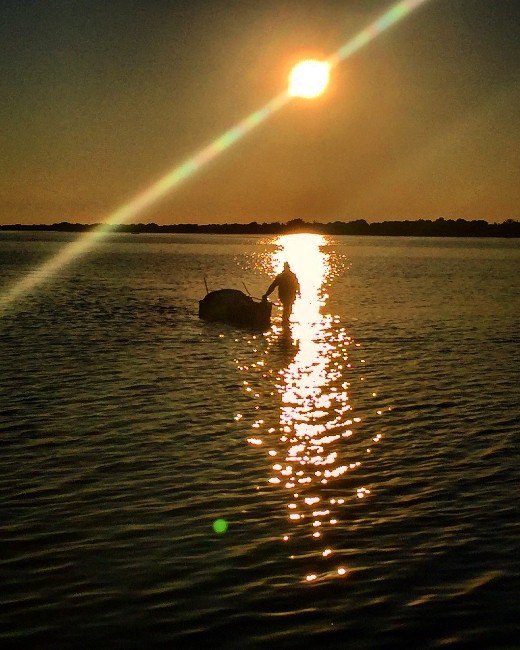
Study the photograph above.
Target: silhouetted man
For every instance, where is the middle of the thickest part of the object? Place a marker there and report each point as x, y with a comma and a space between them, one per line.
288, 288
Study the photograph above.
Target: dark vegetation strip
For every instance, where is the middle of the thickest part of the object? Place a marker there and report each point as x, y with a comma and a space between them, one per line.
419, 228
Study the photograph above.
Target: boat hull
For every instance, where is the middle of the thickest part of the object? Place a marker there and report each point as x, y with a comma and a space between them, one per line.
235, 308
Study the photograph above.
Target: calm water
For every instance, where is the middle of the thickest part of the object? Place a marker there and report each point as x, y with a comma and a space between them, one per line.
366, 462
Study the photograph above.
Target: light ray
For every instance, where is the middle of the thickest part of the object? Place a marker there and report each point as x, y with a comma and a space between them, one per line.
139, 203
396, 13
189, 167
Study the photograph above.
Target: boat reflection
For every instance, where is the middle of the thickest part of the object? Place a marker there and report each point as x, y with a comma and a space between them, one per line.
309, 362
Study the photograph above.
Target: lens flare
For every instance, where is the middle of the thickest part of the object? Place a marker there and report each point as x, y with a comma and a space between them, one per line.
140, 203
220, 526
188, 168
396, 13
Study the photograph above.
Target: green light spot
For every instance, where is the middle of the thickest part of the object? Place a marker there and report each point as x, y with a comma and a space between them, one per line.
220, 525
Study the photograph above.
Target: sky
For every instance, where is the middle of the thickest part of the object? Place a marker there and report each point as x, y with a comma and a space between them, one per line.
100, 99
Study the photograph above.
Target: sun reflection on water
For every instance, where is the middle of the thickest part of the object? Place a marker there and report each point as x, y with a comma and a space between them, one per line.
311, 263
306, 363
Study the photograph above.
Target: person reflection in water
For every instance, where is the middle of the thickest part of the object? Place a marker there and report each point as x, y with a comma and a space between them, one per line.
288, 289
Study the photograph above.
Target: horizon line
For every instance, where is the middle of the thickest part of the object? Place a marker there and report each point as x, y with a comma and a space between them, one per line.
292, 221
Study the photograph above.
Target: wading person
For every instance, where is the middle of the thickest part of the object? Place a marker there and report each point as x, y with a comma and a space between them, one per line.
288, 289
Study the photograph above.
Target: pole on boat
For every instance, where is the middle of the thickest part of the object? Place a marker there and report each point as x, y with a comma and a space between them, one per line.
206, 285
249, 293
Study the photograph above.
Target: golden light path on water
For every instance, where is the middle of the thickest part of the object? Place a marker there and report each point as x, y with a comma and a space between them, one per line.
182, 172
308, 445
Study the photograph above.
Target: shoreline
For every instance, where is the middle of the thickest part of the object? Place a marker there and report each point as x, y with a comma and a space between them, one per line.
420, 228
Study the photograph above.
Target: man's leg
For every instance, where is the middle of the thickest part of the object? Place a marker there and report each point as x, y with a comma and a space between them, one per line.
287, 310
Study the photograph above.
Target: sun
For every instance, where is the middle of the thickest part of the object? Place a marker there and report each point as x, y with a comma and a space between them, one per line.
309, 78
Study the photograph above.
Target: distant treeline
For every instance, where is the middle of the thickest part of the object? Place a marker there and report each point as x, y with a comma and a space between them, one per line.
419, 228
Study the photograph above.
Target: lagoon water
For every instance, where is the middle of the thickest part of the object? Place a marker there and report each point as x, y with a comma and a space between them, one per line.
365, 461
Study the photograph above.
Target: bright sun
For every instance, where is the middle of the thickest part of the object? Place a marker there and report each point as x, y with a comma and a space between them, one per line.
309, 78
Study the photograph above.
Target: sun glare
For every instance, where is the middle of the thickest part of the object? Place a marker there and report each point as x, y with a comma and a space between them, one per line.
309, 79
306, 257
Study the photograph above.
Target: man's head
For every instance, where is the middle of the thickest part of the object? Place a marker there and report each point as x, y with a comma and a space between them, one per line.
286, 266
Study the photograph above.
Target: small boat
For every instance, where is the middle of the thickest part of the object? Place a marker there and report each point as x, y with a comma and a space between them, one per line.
236, 308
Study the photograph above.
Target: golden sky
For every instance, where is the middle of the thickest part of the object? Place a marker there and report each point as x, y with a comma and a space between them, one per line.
100, 99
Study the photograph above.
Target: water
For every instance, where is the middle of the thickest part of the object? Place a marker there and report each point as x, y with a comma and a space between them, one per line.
366, 462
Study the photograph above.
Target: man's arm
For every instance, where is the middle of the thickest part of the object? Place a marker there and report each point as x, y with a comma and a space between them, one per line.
272, 286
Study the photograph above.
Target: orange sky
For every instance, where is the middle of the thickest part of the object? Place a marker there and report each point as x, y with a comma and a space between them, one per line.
101, 100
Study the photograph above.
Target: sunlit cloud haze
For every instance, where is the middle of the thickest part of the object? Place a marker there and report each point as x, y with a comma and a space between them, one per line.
99, 99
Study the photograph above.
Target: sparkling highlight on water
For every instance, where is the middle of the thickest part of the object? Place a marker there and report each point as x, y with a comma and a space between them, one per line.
314, 419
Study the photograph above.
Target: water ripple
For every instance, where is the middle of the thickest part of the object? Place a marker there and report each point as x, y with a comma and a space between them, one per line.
390, 406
